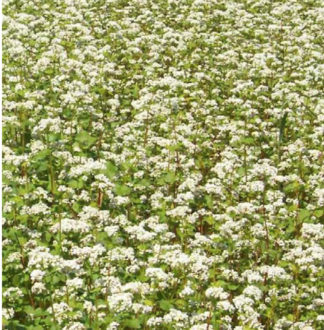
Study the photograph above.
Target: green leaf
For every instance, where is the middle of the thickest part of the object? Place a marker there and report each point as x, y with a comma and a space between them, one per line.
29, 310
209, 201
16, 325
76, 207
165, 305
149, 302
85, 139
122, 190
282, 127
241, 171
181, 303
132, 323
180, 233
42, 155
53, 327
53, 137
248, 141
36, 327
293, 207
168, 177
291, 187
318, 213
303, 214
111, 170
135, 91
210, 220
48, 237
76, 184
232, 287
175, 147
143, 183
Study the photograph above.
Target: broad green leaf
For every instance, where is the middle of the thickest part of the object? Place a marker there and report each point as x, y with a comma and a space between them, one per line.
303, 214
165, 305
111, 170
85, 139
122, 190
132, 324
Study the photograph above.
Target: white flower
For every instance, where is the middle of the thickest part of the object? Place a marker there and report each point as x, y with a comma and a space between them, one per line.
186, 291
74, 326
70, 225
38, 288
37, 275
216, 293
113, 326
315, 231
75, 283
225, 305
201, 327
253, 291
120, 302
8, 313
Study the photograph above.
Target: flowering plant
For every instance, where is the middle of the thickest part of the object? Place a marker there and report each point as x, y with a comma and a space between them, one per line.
163, 164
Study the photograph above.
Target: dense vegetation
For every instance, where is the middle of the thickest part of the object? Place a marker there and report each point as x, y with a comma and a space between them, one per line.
163, 164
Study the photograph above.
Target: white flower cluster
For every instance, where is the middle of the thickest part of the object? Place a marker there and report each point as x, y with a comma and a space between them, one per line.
163, 164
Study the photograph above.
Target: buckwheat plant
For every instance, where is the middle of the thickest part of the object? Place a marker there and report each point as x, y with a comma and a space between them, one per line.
163, 164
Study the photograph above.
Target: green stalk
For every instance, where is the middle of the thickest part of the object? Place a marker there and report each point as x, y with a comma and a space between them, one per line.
54, 318
60, 233
52, 179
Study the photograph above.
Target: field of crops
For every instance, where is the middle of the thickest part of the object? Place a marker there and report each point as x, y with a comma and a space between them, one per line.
163, 164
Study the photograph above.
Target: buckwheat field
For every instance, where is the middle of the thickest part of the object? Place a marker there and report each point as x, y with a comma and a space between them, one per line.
163, 164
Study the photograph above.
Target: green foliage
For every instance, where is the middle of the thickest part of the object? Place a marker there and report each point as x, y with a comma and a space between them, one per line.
85, 140
162, 164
